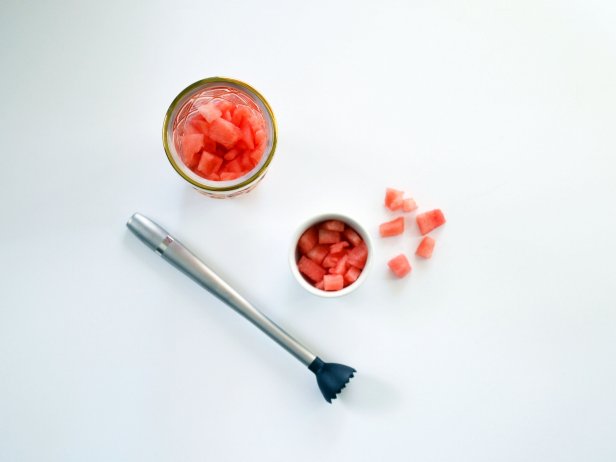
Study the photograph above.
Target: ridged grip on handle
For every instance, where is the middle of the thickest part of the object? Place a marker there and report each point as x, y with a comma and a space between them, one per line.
155, 237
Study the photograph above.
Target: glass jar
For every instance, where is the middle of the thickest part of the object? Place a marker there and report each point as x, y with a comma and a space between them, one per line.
186, 106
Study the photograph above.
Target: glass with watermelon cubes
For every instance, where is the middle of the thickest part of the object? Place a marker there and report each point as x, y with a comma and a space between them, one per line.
330, 255
220, 136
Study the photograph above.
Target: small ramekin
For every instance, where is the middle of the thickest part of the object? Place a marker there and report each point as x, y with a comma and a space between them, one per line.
293, 254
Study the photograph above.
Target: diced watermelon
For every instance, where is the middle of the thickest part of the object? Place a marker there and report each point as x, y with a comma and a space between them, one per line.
319, 285
196, 124
310, 269
260, 136
330, 261
392, 228
393, 199
332, 282
318, 253
241, 112
399, 265
257, 153
231, 154
308, 240
427, 221
333, 225
224, 132
246, 134
408, 205
426, 247
191, 145
209, 164
338, 247
223, 104
209, 144
341, 267
358, 255
351, 275
227, 116
352, 236
328, 237
228, 176
246, 162
210, 112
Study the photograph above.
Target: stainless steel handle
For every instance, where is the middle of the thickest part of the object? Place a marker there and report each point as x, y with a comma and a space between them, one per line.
159, 240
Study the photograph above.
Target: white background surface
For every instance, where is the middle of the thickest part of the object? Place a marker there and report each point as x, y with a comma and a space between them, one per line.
499, 348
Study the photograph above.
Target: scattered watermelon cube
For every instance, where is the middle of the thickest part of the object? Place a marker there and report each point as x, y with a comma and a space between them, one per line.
308, 240
392, 228
399, 265
393, 199
310, 269
426, 247
428, 221
328, 237
332, 282
408, 205
333, 225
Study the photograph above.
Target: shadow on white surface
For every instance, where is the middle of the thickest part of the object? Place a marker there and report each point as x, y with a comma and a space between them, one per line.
367, 393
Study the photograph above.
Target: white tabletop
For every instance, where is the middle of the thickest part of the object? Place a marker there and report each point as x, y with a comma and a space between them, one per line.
501, 347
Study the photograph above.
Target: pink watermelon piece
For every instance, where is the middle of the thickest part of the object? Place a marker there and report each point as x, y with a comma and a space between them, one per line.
191, 146
310, 269
209, 164
227, 116
351, 275
260, 136
330, 261
223, 104
308, 240
231, 154
209, 144
333, 282
352, 236
319, 285
241, 112
426, 247
399, 265
318, 253
333, 225
393, 199
196, 125
228, 176
408, 205
341, 267
328, 237
335, 249
246, 132
358, 255
428, 221
392, 228
210, 112
224, 132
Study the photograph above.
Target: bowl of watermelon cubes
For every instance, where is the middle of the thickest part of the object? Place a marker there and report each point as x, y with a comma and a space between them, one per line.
220, 136
330, 255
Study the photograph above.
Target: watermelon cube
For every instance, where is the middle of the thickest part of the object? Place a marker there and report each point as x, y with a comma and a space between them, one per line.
333, 225
246, 133
224, 132
341, 267
209, 145
233, 167
393, 199
328, 237
352, 236
399, 265
426, 247
358, 255
392, 228
428, 221
191, 145
231, 154
351, 275
196, 125
310, 269
227, 116
318, 253
337, 248
319, 285
241, 112
330, 261
209, 164
228, 176
210, 112
308, 240
408, 205
260, 136
223, 104
333, 282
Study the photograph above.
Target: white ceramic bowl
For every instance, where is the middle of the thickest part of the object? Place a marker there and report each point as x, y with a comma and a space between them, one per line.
293, 254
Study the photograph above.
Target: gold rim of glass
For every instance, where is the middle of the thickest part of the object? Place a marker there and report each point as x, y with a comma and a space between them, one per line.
168, 120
